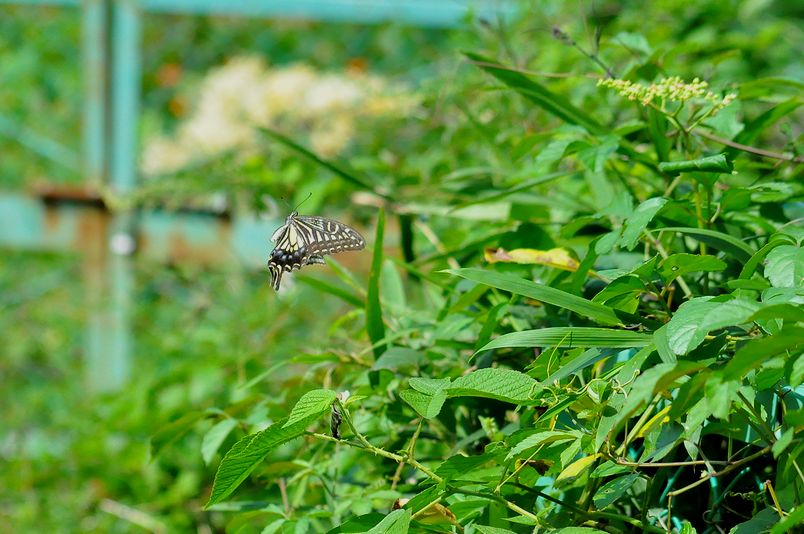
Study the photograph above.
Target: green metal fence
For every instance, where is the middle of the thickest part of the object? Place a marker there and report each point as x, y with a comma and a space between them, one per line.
76, 219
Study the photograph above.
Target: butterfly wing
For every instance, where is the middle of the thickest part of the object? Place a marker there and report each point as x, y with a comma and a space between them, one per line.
326, 236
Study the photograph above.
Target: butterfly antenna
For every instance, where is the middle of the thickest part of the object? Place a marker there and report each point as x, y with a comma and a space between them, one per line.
303, 201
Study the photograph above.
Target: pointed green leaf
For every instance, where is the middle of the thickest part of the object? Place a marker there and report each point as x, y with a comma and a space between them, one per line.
556, 297
638, 221
396, 522
249, 452
374, 322
214, 438
613, 490
724, 242
314, 402
562, 336
501, 384
785, 266
677, 265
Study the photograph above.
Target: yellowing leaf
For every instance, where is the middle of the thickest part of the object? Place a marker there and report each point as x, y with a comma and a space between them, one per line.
576, 468
555, 257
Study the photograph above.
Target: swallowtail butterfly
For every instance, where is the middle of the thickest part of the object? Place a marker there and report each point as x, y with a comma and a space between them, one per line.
305, 240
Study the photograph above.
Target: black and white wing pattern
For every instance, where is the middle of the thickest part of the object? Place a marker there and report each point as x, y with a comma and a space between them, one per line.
305, 240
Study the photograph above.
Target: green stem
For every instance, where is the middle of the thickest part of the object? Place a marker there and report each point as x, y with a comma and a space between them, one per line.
382, 452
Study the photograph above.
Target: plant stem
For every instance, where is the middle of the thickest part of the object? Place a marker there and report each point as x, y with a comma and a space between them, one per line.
728, 469
502, 500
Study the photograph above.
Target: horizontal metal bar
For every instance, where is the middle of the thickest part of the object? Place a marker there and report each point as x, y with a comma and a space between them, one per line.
28, 223
425, 13
433, 13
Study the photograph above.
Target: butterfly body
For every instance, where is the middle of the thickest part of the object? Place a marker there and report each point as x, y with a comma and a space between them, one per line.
304, 240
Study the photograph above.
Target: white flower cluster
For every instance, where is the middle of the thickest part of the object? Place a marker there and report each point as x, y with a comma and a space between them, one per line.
244, 94
672, 89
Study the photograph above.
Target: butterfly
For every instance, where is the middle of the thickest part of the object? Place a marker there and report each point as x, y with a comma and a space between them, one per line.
305, 240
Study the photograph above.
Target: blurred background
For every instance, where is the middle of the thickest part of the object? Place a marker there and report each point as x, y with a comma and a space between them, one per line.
149, 149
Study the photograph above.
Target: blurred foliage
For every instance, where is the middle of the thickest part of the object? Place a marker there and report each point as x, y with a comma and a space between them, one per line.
624, 289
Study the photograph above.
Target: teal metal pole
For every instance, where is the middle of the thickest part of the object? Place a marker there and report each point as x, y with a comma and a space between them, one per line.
111, 358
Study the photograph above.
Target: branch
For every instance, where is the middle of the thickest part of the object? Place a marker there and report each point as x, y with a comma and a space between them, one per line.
750, 149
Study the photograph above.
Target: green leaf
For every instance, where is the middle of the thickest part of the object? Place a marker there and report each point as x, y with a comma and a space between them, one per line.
657, 127
457, 466
374, 322
428, 406
562, 336
332, 167
540, 292
576, 468
680, 264
719, 164
501, 384
540, 438
695, 318
397, 522
249, 452
214, 438
429, 386
358, 524
761, 522
755, 352
751, 265
613, 490
724, 242
785, 266
638, 221
313, 402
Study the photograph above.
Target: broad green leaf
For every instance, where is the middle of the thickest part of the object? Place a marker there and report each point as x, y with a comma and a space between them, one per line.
638, 221
680, 264
314, 402
396, 522
609, 468
613, 490
428, 406
492, 383
174, 430
249, 452
790, 523
623, 293
457, 466
540, 292
785, 266
683, 330
214, 438
374, 321
577, 468
751, 265
755, 352
723, 242
718, 164
761, 522
540, 438
429, 386
562, 336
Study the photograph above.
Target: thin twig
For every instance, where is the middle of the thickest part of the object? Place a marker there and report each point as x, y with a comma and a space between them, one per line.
750, 149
